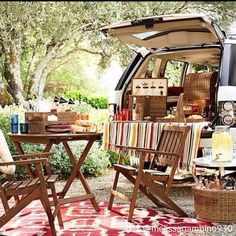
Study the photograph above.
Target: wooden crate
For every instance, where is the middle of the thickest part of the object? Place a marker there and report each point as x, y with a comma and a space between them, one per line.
148, 106
38, 120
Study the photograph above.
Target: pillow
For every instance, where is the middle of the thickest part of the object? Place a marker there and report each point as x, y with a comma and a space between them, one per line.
5, 156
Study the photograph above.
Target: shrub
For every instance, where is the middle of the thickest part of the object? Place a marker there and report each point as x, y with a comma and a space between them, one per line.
5, 122
96, 102
95, 163
113, 157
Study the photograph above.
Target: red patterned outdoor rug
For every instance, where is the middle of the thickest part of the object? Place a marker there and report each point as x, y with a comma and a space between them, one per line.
81, 219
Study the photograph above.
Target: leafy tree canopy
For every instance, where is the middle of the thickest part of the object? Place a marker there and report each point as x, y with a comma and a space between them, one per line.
37, 37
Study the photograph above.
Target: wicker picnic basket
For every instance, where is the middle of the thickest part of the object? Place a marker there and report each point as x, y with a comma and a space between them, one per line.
215, 205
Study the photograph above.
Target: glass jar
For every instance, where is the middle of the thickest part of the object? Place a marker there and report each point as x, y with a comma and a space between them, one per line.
222, 144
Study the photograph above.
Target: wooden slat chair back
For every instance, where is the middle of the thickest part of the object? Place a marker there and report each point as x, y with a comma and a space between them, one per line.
16, 194
170, 148
166, 157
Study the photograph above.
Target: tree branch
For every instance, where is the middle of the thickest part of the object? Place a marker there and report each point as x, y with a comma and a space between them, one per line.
61, 64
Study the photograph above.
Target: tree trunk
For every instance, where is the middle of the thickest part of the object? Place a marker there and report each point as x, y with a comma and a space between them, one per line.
11, 68
38, 78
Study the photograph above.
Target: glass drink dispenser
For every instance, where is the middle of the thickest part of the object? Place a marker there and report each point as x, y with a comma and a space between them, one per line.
222, 144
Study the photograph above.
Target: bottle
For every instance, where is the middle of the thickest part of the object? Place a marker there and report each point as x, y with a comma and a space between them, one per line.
134, 109
14, 121
222, 144
205, 112
206, 183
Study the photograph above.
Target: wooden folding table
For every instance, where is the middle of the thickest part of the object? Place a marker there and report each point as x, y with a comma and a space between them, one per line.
49, 139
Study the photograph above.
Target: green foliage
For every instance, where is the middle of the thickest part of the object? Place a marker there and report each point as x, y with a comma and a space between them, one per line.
113, 157
95, 164
5, 122
96, 102
173, 73
49, 35
60, 162
79, 75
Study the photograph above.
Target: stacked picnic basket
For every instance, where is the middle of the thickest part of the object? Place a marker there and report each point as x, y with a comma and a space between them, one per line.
215, 205
38, 121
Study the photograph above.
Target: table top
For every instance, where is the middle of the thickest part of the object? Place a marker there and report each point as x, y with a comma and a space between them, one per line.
207, 162
46, 138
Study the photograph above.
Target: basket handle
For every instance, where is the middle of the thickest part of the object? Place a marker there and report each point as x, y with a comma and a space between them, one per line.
199, 199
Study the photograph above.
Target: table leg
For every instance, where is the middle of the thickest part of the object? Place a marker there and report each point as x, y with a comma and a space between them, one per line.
88, 190
69, 152
76, 173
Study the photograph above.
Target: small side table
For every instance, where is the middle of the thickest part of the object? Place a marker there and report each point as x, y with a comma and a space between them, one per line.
207, 162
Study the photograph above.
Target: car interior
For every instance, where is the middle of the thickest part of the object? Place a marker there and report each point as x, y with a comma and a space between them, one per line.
165, 75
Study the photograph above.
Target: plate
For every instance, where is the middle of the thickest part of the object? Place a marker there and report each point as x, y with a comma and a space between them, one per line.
58, 130
85, 132
64, 126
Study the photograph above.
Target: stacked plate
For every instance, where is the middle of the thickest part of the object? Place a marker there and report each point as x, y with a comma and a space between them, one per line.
61, 128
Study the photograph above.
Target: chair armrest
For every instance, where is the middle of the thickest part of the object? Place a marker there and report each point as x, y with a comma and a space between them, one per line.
23, 162
133, 148
150, 151
147, 150
141, 149
119, 146
30, 155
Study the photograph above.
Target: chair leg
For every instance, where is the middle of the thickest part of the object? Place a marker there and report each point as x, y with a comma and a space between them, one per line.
120, 160
163, 196
46, 204
57, 205
133, 200
136, 188
111, 200
11, 212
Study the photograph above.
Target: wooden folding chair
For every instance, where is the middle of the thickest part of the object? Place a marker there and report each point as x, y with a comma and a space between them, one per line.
162, 169
16, 194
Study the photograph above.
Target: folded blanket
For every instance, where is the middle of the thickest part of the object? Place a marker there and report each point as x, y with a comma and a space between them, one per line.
147, 134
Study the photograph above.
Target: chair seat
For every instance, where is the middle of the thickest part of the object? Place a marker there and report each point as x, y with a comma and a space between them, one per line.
131, 170
14, 188
156, 175
155, 172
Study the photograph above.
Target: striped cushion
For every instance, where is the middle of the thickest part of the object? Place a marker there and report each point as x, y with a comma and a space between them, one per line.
5, 156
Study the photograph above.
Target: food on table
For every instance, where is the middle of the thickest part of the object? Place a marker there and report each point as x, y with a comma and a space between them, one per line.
195, 117
169, 116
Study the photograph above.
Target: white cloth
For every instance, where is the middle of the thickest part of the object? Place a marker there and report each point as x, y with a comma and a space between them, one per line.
5, 156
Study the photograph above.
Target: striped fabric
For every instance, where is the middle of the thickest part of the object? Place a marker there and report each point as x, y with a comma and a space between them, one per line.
147, 134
